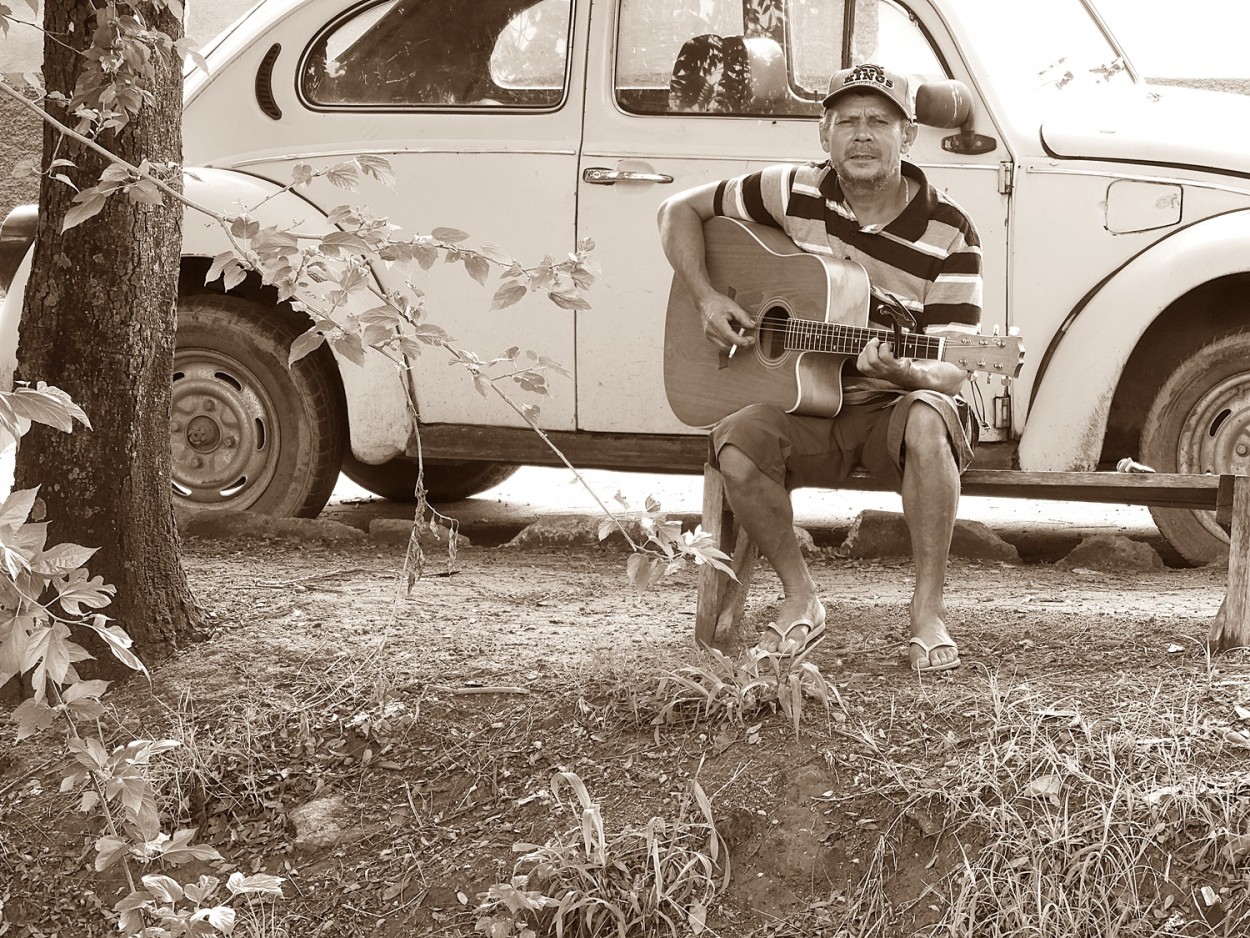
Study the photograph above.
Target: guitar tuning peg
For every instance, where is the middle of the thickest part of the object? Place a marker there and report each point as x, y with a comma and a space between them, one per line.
1013, 331
995, 328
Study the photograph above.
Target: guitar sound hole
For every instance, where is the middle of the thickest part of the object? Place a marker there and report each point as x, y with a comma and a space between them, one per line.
771, 335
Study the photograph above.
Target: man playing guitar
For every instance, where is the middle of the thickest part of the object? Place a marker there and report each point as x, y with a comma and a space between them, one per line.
900, 417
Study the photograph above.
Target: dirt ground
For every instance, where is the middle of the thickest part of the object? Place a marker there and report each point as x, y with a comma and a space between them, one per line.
384, 751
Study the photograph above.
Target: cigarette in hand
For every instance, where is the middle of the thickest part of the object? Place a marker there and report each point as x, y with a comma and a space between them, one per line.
733, 348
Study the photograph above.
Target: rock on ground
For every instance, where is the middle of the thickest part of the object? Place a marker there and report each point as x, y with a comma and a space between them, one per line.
1114, 553
880, 534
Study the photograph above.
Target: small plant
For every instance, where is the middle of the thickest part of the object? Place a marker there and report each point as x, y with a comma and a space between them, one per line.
658, 880
731, 690
45, 594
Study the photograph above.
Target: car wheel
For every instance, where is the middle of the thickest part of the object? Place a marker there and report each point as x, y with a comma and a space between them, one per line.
444, 481
1200, 423
246, 431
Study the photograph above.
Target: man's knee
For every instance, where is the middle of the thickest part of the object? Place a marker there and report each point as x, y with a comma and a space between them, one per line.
736, 466
926, 435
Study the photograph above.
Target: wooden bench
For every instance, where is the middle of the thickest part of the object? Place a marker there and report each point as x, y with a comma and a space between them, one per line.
720, 599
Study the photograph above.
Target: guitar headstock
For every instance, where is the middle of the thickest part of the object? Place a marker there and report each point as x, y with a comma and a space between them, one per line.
992, 354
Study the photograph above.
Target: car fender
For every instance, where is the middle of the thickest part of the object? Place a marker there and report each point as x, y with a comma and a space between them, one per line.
380, 426
1071, 398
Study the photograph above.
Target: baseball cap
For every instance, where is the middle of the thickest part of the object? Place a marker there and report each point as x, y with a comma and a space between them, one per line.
872, 78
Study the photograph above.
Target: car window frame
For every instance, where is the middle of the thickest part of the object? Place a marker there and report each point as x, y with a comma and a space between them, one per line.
361, 8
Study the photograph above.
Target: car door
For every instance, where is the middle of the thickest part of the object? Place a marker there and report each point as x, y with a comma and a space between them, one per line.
477, 106
649, 133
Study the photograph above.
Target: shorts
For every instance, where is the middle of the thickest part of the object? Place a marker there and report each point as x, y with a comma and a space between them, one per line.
798, 451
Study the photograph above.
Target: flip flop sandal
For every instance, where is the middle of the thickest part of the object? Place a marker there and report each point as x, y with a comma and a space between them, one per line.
815, 635
928, 650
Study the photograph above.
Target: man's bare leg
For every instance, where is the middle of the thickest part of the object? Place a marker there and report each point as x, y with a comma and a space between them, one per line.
930, 500
762, 506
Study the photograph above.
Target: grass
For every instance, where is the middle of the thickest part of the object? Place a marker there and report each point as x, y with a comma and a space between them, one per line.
1080, 797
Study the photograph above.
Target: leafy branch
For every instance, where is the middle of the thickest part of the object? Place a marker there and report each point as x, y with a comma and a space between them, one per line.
323, 274
46, 593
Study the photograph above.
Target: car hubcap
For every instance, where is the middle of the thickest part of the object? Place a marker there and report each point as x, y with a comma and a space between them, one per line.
222, 432
1215, 437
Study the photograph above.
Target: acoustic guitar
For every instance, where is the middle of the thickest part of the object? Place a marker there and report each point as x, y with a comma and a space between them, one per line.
811, 316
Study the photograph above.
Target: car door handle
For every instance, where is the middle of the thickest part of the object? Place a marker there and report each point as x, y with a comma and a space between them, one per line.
602, 176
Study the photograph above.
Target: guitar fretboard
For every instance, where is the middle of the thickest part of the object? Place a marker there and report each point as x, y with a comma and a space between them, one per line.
812, 335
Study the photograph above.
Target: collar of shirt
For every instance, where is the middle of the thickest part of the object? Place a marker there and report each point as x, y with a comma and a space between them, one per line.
911, 222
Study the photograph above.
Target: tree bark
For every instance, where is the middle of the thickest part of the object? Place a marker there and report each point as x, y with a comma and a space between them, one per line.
99, 321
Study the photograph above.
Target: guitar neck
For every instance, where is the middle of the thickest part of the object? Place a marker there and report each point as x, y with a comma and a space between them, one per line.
814, 335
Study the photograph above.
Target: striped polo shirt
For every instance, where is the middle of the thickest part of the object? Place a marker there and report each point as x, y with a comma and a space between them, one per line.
929, 256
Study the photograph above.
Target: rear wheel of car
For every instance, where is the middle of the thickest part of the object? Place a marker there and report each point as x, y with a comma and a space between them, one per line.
246, 431
444, 481
1200, 423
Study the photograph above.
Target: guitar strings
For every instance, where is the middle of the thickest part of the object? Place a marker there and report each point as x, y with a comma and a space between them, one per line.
837, 337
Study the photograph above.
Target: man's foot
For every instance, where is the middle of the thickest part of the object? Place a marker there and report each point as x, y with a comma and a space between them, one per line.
800, 625
931, 647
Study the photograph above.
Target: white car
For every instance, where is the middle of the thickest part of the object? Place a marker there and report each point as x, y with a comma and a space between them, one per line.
1113, 217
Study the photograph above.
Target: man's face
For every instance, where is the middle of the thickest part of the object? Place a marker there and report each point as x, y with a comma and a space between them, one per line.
866, 136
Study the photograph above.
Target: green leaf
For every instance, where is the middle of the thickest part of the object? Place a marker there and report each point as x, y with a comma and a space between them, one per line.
425, 254
108, 851
478, 267
262, 883
568, 301
508, 294
16, 508
302, 174
146, 192
61, 559
32, 716
75, 591
449, 235
344, 175
46, 404
218, 265
80, 689
343, 241
177, 849
377, 167
304, 344
350, 347
644, 571
87, 204
118, 641
162, 888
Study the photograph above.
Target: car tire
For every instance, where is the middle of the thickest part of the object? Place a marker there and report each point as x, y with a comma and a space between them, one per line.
396, 480
1200, 423
247, 431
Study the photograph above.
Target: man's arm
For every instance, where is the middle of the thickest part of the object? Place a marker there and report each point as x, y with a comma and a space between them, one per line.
681, 219
955, 299
877, 361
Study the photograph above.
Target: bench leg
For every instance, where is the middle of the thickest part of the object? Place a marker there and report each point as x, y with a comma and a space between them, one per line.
718, 610
1231, 626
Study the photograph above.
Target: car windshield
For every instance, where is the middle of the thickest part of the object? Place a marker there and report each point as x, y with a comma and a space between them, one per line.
1040, 54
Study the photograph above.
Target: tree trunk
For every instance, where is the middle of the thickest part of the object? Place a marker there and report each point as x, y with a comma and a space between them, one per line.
99, 322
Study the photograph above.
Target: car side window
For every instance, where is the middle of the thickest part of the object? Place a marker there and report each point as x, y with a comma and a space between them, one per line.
757, 57
398, 54
886, 33
719, 57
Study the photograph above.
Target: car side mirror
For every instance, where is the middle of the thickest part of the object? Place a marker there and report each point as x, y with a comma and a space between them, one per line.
948, 104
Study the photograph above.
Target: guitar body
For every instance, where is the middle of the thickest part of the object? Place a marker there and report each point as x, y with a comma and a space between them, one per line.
774, 281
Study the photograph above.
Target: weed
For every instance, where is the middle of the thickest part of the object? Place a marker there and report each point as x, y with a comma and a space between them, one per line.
1097, 826
660, 879
731, 690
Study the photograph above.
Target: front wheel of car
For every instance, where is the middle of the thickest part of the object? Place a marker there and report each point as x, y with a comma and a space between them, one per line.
396, 480
1200, 423
246, 431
